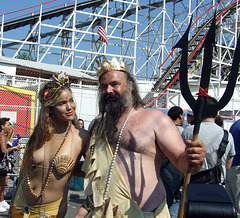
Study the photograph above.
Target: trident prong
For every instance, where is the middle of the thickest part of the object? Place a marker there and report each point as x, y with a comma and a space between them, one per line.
200, 107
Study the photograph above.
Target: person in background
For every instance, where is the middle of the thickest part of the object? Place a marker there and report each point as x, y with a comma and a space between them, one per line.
233, 174
211, 135
190, 117
85, 209
80, 123
235, 130
5, 133
11, 143
126, 149
10, 134
177, 116
219, 121
171, 176
52, 154
77, 182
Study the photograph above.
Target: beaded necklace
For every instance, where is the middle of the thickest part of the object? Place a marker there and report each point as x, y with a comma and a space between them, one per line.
51, 167
114, 156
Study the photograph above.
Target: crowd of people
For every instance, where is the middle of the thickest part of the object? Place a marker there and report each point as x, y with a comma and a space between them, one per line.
212, 134
134, 158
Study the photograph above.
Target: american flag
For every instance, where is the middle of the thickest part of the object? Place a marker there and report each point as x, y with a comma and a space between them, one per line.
102, 33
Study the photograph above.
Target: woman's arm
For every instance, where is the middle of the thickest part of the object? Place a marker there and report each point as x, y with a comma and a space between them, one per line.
3, 142
10, 133
16, 148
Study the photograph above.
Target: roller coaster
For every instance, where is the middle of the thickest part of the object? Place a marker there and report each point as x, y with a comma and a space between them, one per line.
142, 31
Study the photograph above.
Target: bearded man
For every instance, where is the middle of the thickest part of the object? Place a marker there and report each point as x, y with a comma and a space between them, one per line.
126, 150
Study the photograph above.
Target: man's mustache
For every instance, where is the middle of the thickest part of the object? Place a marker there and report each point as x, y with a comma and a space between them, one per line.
111, 97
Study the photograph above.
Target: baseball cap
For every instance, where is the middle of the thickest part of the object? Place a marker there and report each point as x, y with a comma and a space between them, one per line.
190, 112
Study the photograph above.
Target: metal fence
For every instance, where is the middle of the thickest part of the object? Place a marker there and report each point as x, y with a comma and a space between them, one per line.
19, 101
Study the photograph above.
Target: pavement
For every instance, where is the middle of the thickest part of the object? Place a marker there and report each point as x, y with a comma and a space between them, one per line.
75, 200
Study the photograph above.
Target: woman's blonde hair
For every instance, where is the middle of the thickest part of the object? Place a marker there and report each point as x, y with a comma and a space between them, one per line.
44, 129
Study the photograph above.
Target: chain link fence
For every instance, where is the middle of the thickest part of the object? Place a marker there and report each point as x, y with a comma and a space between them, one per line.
19, 102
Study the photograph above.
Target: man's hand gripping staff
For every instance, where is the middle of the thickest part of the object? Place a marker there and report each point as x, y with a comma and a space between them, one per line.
200, 108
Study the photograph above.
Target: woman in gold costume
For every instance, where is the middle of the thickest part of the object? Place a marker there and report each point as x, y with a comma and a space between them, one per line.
52, 153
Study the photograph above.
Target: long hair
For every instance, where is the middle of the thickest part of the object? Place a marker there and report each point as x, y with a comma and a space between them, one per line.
44, 128
136, 98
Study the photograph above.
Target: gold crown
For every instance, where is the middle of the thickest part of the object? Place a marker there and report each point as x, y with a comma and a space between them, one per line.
111, 65
58, 80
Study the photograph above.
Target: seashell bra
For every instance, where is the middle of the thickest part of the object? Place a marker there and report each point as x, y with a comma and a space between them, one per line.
58, 161
63, 164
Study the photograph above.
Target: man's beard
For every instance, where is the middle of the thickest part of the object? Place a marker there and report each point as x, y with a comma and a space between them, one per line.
112, 106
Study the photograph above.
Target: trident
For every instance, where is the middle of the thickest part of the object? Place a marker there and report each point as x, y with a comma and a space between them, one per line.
200, 107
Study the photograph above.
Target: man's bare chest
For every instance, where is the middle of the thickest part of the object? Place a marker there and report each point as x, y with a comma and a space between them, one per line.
134, 140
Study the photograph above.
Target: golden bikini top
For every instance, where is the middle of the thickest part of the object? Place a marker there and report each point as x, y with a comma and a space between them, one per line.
63, 164
56, 161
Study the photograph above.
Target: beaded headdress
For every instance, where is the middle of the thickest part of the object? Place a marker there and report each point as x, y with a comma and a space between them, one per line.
111, 65
59, 80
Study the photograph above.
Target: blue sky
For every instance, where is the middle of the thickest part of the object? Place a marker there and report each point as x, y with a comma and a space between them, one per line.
12, 5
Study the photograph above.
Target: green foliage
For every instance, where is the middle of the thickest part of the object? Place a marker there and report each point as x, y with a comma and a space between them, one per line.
24, 56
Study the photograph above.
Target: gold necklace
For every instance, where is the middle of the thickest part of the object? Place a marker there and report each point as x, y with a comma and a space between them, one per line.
59, 136
51, 167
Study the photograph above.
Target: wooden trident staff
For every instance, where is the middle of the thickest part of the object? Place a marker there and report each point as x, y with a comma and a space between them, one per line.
200, 107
